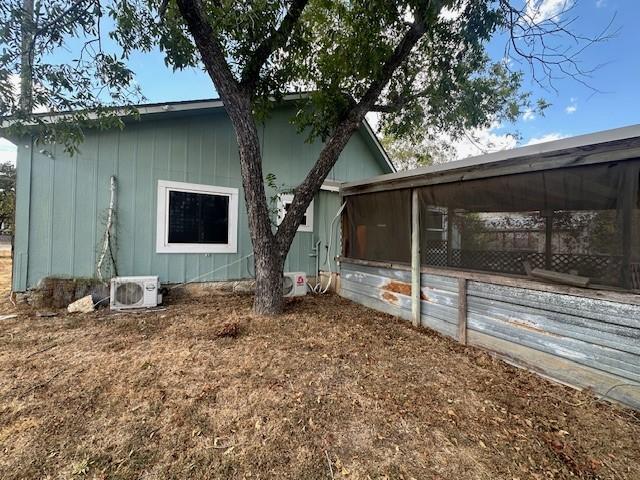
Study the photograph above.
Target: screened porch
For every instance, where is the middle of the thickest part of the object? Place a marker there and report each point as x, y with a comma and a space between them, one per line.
583, 221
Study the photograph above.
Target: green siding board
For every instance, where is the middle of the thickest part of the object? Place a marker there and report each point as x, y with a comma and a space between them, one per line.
39, 261
326, 210
23, 196
62, 201
61, 229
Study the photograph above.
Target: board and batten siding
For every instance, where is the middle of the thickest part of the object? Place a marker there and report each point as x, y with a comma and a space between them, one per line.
577, 340
62, 200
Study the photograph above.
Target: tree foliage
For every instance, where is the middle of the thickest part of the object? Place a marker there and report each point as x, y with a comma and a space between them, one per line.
70, 71
334, 49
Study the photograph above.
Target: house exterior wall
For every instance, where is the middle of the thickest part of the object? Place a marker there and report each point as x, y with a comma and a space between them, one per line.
62, 200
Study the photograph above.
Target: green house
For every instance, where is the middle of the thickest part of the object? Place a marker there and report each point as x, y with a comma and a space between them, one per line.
180, 210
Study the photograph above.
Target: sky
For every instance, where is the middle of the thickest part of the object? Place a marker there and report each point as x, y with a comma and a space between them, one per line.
611, 99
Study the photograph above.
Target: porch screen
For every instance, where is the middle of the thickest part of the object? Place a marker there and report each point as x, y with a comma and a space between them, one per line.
582, 220
378, 226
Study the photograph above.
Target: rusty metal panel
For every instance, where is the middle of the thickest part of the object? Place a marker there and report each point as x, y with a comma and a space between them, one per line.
561, 370
595, 333
389, 290
604, 334
602, 310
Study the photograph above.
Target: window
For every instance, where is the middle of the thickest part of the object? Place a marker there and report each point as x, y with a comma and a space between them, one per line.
196, 218
284, 202
434, 220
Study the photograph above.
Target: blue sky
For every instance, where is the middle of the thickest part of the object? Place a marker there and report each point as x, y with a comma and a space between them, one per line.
575, 109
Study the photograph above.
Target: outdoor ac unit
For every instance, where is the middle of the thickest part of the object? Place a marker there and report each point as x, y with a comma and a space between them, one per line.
294, 284
134, 292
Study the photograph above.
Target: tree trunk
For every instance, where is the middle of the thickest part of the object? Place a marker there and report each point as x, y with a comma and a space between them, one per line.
269, 267
26, 59
269, 260
270, 250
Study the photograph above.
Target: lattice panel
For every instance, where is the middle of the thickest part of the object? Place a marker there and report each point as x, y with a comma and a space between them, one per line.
435, 253
500, 261
600, 268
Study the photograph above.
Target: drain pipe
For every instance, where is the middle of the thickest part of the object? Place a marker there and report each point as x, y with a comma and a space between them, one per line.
318, 287
317, 250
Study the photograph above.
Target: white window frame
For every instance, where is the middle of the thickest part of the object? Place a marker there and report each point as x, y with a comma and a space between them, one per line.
285, 198
162, 223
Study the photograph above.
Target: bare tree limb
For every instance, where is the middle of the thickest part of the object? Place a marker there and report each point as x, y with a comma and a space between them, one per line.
530, 40
276, 40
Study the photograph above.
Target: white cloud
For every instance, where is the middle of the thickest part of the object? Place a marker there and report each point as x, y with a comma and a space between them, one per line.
8, 151
601, 3
482, 140
528, 115
549, 137
572, 107
540, 10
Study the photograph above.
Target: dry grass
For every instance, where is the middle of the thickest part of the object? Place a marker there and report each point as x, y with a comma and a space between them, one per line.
208, 390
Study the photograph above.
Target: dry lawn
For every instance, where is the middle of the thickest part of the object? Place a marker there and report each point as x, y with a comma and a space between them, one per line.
205, 389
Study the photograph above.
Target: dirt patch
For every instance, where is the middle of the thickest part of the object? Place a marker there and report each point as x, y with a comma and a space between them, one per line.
329, 387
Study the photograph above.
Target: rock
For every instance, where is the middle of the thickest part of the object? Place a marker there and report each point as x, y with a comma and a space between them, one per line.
46, 314
84, 305
244, 286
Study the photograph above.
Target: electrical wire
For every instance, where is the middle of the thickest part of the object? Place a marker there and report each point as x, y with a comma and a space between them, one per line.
317, 288
212, 271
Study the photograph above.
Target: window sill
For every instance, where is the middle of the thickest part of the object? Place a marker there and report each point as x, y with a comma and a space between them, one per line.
195, 248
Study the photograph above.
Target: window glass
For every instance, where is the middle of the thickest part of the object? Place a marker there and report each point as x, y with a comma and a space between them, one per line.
198, 218
287, 204
284, 202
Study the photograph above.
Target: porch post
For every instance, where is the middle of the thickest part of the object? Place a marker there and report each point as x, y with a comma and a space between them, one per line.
629, 195
415, 258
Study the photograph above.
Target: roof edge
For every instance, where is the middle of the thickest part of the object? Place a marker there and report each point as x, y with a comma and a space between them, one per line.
374, 142
555, 147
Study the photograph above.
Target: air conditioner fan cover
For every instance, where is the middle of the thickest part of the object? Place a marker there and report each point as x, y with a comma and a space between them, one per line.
129, 293
287, 285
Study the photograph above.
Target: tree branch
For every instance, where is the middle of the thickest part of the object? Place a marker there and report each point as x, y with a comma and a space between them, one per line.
237, 103
210, 49
276, 40
341, 135
389, 108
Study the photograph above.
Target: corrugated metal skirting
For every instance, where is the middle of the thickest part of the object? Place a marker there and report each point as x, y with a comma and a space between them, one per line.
580, 341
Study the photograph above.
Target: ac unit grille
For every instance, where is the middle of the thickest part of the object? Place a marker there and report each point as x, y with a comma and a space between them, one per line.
129, 293
287, 285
